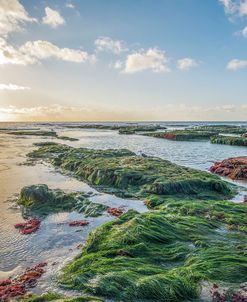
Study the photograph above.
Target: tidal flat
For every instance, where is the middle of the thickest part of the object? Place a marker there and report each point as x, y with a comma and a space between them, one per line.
182, 231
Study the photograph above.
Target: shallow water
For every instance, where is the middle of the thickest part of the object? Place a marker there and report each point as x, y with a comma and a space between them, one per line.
57, 243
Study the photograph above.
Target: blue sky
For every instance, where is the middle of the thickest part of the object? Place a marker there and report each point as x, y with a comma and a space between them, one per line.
123, 60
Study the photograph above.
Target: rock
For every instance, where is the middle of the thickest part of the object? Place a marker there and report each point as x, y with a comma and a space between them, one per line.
234, 168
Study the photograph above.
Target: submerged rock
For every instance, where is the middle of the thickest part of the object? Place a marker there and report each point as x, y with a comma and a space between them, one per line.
40, 200
234, 168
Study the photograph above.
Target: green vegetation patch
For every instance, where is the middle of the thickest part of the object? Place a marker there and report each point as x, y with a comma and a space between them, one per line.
59, 298
229, 140
158, 256
183, 135
127, 175
40, 200
227, 129
41, 133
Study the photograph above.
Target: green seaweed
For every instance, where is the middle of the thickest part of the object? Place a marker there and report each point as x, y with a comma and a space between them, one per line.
227, 129
229, 140
125, 174
50, 296
158, 256
182, 135
40, 200
41, 133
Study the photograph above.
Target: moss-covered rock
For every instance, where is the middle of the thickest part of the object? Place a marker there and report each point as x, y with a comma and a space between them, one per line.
158, 256
40, 200
229, 140
125, 174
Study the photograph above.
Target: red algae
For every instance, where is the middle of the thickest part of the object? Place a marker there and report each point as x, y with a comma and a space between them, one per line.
18, 286
234, 168
115, 211
29, 227
79, 223
170, 136
219, 295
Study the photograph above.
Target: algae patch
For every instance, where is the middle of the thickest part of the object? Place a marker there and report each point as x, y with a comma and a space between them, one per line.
158, 256
125, 174
40, 200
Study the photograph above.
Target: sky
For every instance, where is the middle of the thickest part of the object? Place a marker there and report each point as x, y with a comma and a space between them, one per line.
124, 60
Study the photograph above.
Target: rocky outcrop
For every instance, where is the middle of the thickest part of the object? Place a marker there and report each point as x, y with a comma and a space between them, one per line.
234, 168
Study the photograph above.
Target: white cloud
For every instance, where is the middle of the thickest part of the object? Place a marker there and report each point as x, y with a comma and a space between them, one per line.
243, 8
52, 18
44, 50
244, 32
13, 87
118, 64
89, 112
236, 64
234, 8
12, 16
186, 63
230, 6
153, 59
34, 51
107, 44
11, 55
69, 5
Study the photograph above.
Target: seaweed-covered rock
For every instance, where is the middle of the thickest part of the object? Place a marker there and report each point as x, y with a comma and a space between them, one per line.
125, 174
40, 200
229, 140
182, 135
34, 132
223, 129
41, 133
166, 257
234, 168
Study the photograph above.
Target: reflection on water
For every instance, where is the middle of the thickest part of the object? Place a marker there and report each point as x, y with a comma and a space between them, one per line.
57, 242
